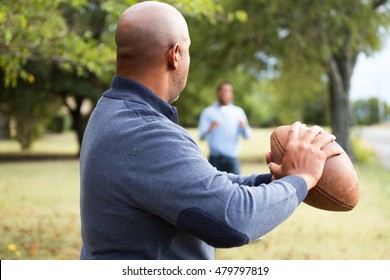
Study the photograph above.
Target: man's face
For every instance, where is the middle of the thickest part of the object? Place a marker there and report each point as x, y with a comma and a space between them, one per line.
186, 61
225, 94
181, 75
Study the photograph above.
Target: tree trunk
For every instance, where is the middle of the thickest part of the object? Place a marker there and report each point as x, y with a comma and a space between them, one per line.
340, 68
4, 127
79, 122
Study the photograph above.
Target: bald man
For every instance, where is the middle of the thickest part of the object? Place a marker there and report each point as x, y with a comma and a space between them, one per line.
153, 48
147, 192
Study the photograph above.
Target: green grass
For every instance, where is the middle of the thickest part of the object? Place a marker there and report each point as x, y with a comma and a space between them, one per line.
50, 144
39, 211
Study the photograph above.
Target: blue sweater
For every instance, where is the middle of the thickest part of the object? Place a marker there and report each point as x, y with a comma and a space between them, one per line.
147, 192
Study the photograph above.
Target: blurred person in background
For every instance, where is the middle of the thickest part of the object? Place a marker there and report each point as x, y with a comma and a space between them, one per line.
222, 124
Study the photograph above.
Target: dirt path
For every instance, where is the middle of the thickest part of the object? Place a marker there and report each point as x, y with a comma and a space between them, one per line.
379, 138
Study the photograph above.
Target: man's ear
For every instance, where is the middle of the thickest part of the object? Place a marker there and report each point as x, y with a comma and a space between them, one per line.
174, 55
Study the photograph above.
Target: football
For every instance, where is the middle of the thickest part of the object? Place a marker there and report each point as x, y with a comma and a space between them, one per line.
338, 187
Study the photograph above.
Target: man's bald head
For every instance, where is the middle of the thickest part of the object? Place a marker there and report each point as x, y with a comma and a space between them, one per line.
147, 29
145, 34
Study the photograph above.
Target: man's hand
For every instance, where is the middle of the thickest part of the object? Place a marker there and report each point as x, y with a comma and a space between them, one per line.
305, 155
213, 125
242, 124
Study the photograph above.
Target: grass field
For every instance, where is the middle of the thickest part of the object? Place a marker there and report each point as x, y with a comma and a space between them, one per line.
39, 211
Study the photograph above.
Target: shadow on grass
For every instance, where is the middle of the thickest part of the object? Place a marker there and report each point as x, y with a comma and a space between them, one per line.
19, 157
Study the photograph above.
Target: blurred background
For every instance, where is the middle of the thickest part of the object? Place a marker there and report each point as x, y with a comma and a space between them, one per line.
321, 62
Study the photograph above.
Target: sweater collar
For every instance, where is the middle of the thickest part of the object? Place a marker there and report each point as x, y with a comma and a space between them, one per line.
123, 88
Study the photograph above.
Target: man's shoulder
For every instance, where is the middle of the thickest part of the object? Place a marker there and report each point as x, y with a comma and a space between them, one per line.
232, 105
236, 108
210, 108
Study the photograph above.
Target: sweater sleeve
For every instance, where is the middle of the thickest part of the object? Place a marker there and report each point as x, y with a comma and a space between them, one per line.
204, 125
184, 189
251, 180
250, 213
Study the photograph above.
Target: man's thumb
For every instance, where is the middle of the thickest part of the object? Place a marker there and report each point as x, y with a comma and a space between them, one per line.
275, 169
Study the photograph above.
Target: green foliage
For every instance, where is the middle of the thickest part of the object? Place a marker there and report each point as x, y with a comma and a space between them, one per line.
283, 46
202, 9
363, 152
274, 52
368, 111
30, 105
31, 114
315, 111
66, 37
37, 31
75, 39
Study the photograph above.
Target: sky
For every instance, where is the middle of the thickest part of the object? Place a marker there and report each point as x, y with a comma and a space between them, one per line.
371, 76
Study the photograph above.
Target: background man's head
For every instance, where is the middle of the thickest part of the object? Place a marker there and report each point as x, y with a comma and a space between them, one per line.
225, 93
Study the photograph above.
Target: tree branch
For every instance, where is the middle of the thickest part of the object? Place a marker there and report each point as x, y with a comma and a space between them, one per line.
377, 3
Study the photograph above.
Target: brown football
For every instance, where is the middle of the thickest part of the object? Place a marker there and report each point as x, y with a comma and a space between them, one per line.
338, 187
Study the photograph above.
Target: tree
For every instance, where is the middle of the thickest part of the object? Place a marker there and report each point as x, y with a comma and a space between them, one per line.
321, 41
283, 53
343, 30
30, 105
368, 111
312, 47
75, 39
38, 32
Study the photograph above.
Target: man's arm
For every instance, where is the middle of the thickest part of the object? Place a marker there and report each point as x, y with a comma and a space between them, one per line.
204, 125
244, 129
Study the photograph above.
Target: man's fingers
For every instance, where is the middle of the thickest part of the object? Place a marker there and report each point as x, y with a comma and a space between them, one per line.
276, 170
332, 149
311, 134
268, 157
323, 139
293, 133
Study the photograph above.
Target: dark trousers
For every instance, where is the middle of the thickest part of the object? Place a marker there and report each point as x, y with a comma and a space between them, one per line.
224, 163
